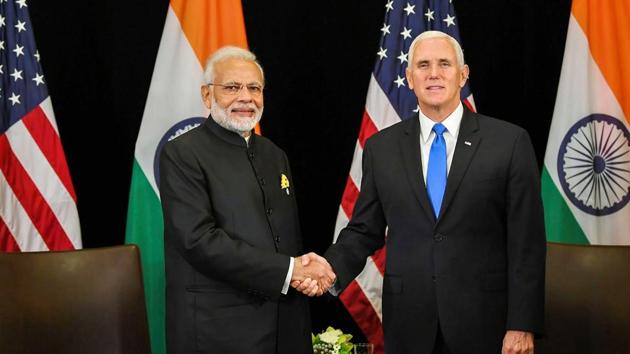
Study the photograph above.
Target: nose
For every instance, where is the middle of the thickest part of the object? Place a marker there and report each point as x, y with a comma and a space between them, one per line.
434, 71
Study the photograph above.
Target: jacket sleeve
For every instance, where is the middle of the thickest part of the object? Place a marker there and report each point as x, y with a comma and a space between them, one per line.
190, 227
364, 234
526, 242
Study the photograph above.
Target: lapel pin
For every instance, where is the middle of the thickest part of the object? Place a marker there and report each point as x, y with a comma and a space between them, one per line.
467, 143
284, 183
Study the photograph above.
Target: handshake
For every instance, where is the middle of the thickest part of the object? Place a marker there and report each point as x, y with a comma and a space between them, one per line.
312, 275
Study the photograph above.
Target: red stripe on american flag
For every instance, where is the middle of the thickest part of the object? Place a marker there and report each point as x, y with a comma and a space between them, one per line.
49, 143
349, 198
379, 259
469, 105
367, 128
364, 315
32, 200
7, 242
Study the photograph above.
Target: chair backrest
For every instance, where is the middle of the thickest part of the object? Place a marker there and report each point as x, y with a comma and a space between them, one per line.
84, 301
587, 300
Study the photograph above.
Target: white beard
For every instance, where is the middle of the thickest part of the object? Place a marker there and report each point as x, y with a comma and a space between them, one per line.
237, 125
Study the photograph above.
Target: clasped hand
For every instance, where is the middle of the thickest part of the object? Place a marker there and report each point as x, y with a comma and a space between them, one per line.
312, 275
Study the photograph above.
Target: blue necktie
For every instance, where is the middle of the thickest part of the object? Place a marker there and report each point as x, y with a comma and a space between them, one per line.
436, 172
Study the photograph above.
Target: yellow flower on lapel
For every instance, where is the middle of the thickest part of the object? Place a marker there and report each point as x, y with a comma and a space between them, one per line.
284, 183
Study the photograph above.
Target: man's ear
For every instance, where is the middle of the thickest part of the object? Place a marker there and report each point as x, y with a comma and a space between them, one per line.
409, 78
206, 93
465, 74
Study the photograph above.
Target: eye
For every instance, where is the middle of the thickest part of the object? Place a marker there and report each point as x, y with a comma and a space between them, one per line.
255, 89
232, 88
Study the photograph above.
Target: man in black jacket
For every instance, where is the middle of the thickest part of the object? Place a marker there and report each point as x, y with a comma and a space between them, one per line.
231, 227
459, 195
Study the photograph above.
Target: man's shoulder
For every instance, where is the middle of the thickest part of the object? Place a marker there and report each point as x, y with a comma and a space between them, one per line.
393, 132
264, 144
495, 125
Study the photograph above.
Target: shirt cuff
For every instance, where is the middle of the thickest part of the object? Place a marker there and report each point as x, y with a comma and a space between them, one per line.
334, 289
287, 280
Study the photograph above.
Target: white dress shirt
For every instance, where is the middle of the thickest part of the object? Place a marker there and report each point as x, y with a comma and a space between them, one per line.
427, 135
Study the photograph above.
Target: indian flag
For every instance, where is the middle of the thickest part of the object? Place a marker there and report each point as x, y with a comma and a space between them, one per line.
586, 177
193, 30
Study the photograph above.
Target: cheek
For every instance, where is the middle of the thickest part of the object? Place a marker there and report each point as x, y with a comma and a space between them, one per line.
224, 101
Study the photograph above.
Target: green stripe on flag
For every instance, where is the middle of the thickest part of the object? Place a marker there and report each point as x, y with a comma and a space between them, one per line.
560, 223
145, 228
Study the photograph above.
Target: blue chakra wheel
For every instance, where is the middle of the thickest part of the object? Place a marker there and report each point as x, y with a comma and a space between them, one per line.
594, 164
176, 130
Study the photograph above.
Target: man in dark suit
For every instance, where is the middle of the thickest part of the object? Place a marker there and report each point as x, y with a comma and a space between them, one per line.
459, 196
231, 227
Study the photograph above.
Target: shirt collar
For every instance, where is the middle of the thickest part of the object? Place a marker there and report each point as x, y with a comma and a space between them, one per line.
451, 123
229, 136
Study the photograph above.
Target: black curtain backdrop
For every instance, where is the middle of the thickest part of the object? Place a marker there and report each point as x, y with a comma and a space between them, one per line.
98, 60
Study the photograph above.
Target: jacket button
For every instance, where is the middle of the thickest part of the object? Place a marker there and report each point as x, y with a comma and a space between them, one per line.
433, 278
277, 238
251, 155
269, 211
262, 181
438, 237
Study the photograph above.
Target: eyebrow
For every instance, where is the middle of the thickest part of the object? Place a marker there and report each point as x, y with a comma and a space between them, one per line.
440, 60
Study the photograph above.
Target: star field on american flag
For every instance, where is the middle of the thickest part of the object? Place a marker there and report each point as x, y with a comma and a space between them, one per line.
404, 20
38, 209
21, 75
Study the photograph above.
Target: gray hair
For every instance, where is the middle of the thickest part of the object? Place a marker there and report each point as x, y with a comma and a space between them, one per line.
459, 54
229, 52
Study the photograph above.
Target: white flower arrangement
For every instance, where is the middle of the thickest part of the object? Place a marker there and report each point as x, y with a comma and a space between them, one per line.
332, 341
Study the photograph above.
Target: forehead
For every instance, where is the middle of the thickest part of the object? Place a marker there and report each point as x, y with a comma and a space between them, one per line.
238, 70
434, 48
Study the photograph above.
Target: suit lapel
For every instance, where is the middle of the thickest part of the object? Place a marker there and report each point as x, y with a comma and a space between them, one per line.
410, 147
465, 148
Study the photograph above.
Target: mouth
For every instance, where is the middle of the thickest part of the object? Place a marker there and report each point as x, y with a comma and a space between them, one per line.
434, 88
243, 111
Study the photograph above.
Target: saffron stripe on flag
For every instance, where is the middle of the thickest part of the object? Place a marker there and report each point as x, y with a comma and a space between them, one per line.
31, 199
607, 31
209, 25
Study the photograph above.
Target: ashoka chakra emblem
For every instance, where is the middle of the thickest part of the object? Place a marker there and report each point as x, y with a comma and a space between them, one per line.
594, 164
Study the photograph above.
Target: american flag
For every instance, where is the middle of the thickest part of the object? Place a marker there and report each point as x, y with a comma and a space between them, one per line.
37, 201
388, 101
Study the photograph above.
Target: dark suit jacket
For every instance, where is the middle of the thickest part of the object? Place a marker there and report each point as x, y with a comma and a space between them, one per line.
479, 268
229, 231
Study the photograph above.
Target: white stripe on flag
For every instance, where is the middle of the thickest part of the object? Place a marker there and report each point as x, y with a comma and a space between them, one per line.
371, 282
17, 220
46, 179
178, 76
378, 106
342, 221
356, 172
46, 106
